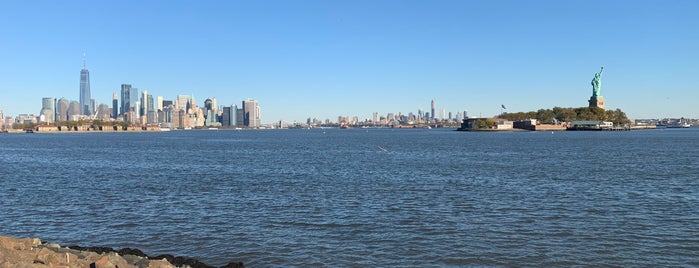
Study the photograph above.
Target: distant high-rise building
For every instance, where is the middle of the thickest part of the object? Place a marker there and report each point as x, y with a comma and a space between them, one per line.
208, 103
150, 103
182, 102
432, 111
115, 104
159, 103
226, 116
86, 106
48, 109
144, 102
151, 112
135, 103
251, 111
62, 109
125, 98
239, 117
103, 112
73, 111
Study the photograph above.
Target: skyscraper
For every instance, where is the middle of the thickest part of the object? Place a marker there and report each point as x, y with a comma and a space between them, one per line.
432, 114
86, 107
144, 102
115, 104
135, 102
48, 109
62, 109
182, 102
73, 111
125, 98
251, 113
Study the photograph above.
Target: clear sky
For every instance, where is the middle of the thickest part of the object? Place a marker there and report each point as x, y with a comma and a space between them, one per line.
326, 58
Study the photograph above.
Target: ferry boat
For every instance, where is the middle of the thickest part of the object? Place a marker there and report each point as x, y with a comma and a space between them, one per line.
679, 125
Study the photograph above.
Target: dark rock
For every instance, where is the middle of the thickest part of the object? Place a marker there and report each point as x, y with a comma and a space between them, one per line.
132, 251
98, 250
234, 265
143, 263
180, 261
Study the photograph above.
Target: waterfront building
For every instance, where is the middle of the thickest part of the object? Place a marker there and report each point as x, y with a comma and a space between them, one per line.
48, 110
26, 119
432, 111
86, 105
125, 98
159, 103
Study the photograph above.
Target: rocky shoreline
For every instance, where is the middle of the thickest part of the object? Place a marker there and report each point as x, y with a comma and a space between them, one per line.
32, 252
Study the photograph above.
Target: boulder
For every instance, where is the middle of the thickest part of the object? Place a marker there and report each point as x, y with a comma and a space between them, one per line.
16, 244
112, 260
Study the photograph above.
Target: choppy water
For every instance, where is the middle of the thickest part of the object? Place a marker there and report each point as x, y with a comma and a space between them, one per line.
332, 198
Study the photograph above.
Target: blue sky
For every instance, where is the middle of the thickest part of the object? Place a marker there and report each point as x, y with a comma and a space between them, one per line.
323, 59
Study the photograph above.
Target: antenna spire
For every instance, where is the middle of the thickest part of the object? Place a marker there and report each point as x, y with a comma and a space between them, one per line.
84, 60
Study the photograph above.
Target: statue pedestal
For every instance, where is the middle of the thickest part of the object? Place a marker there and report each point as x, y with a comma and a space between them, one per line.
596, 102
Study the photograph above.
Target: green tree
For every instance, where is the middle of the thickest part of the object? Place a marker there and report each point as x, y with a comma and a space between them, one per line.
545, 116
483, 124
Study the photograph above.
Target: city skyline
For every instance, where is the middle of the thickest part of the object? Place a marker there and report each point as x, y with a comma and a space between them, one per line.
325, 59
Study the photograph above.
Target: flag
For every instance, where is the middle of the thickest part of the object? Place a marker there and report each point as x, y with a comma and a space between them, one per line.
503, 106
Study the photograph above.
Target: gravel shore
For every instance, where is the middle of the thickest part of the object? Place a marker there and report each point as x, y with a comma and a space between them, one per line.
32, 252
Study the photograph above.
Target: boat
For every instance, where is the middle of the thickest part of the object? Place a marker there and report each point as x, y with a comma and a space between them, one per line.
164, 129
679, 125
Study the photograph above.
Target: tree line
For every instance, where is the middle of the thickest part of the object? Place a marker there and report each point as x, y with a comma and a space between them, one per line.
559, 114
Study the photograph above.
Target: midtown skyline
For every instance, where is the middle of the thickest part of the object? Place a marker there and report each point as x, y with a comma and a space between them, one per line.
324, 59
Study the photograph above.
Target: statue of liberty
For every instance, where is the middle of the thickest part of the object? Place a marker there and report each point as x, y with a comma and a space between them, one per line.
597, 84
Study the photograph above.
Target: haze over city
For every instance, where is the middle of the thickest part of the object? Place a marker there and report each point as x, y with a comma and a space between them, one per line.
325, 59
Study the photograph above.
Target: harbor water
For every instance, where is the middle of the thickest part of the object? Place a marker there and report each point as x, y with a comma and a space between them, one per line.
362, 197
